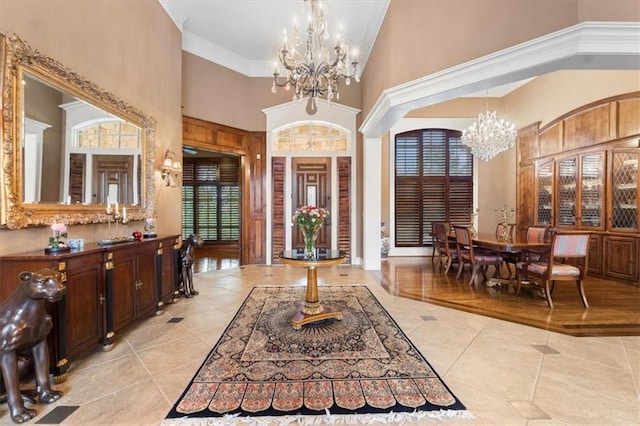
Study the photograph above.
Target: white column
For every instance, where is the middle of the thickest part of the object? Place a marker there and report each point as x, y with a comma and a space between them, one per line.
371, 203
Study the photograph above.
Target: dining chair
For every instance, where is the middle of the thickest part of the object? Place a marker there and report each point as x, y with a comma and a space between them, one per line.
447, 251
538, 234
504, 232
477, 258
435, 246
563, 246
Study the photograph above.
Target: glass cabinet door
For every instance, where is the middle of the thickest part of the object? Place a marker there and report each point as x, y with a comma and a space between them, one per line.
591, 204
624, 190
567, 179
544, 199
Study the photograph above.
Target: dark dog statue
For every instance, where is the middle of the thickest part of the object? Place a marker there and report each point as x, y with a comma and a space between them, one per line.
24, 325
186, 253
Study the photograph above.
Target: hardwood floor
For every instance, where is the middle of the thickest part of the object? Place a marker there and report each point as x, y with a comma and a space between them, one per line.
614, 308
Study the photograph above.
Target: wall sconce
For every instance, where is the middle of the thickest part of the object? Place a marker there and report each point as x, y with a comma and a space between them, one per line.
170, 169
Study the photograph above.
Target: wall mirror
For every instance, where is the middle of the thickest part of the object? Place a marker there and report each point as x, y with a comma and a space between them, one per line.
68, 147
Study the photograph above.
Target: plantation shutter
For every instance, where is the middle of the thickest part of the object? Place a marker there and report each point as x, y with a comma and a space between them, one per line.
211, 198
434, 183
188, 199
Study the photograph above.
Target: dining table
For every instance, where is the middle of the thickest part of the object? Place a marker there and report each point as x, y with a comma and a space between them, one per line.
516, 248
489, 241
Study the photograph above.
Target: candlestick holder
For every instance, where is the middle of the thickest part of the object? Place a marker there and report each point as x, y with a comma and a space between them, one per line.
504, 214
109, 219
116, 219
124, 228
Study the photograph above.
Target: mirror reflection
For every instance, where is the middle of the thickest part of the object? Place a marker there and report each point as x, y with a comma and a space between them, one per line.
74, 152
68, 146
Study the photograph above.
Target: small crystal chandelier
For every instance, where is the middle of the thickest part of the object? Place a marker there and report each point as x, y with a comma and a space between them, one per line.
489, 136
310, 70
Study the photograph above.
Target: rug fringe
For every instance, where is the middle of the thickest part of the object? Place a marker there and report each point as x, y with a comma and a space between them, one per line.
327, 419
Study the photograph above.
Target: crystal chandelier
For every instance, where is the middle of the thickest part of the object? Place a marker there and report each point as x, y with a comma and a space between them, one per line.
310, 68
489, 136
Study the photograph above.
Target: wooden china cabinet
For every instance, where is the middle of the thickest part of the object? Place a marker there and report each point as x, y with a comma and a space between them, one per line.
584, 167
108, 289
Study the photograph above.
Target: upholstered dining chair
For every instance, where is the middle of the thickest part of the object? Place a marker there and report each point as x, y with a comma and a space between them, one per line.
435, 245
563, 246
477, 258
504, 232
538, 234
446, 247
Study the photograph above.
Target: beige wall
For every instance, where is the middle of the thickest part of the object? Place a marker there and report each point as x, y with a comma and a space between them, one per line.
419, 38
131, 49
217, 94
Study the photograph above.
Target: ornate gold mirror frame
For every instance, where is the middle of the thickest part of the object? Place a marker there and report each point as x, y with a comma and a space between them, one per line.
17, 57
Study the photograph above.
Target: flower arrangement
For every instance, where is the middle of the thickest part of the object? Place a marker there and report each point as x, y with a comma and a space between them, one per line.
309, 219
59, 233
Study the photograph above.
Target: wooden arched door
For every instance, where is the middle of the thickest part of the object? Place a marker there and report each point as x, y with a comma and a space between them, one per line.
311, 185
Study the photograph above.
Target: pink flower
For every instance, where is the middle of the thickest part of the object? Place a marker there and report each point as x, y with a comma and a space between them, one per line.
59, 228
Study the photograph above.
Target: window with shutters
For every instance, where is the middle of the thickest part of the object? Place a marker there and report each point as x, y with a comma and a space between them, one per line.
211, 199
433, 183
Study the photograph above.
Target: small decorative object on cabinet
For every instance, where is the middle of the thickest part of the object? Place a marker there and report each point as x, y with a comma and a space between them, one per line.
150, 227
56, 241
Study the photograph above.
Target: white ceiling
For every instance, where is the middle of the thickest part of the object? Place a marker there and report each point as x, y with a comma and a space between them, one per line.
244, 35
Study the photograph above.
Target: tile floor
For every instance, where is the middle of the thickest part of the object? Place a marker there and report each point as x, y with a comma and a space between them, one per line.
505, 373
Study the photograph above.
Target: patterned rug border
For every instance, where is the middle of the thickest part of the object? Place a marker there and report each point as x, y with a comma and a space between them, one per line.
305, 416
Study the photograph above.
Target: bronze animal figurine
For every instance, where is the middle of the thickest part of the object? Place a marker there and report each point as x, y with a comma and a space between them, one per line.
186, 253
24, 325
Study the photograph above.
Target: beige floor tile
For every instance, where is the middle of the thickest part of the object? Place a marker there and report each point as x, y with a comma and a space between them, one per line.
600, 379
140, 404
173, 354
501, 377
577, 405
92, 384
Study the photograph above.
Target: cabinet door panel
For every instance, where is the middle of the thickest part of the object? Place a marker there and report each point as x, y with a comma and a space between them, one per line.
595, 255
168, 277
124, 278
625, 176
544, 190
567, 182
147, 291
621, 257
84, 310
591, 205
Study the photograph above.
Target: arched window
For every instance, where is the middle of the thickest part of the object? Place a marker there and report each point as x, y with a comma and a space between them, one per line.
108, 134
433, 183
311, 136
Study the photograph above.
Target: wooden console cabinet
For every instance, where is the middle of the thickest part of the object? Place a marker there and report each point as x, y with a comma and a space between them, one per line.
108, 289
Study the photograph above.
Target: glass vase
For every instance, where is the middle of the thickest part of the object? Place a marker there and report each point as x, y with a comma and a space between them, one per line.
310, 236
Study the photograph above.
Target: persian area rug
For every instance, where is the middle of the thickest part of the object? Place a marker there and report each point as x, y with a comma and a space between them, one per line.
363, 364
